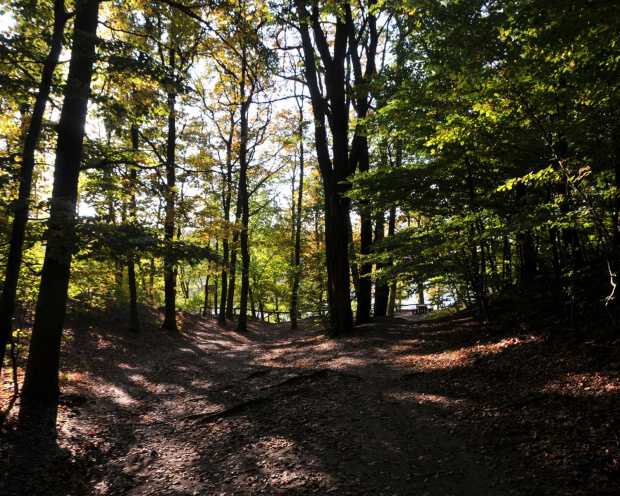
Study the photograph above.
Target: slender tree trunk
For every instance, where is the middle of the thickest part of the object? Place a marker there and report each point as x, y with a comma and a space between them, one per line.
252, 302
232, 277
355, 273
359, 149
41, 380
222, 315
616, 206
215, 307
242, 324
134, 323
20, 220
225, 244
170, 290
507, 263
393, 288
298, 222
364, 293
151, 279
382, 290
206, 309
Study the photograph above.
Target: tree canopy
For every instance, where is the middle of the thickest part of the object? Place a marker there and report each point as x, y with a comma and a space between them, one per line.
329, 159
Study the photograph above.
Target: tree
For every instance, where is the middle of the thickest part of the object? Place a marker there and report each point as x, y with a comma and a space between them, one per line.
297, 216
362, 47
331, 108
41, 380
21, 208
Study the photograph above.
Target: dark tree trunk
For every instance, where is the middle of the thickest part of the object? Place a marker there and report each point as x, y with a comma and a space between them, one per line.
242, 324
334, 170
227, 198
359, 149
421, 295
134, 323
41, 380
207, 303
382, 290
232, 276
297, 220
222, 314
616, 207
170, 291
355, 274
364, 293
18, 233
393, 288
528, 256
252, 302
215, 307
232, 271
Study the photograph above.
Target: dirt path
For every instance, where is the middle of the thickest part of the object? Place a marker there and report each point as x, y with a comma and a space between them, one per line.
279, 413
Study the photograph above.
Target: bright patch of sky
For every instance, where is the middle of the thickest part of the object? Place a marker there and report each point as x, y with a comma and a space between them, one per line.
6, 20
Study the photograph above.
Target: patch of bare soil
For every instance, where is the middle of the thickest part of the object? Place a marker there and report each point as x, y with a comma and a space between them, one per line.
399, 407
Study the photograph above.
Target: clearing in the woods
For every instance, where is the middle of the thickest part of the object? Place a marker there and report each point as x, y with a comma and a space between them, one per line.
404, 406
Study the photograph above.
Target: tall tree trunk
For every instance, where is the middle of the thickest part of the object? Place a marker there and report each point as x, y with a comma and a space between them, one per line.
335, 169
242, 324
297, 226
421, 294
134, 323
393, 288
222, 314
41, 380
359, 148
232, 275
355, 273
215, 307
18, 233
252, 302
227, 199
615, 136
169, 271
382, 290
207, 303
364, 293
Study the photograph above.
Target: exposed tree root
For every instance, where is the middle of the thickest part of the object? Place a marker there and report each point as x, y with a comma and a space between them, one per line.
410, 375
228, 412
258, 373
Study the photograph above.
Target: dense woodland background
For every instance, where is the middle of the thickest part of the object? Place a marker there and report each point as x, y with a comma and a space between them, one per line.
290, 159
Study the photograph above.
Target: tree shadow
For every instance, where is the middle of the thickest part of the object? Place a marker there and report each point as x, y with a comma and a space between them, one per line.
34, 454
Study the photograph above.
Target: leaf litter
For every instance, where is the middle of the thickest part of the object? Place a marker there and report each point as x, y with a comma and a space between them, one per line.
400, 406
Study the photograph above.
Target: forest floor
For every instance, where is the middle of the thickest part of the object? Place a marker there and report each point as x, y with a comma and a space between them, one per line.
403, 406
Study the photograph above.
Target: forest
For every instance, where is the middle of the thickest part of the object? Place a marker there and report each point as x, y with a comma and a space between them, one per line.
237, 204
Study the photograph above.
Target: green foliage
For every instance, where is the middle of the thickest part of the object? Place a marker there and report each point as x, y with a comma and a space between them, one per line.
98, 241
494, 136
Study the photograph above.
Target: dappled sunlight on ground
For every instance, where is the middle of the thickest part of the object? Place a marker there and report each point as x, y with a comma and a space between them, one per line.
400, 406
454, 358
584, 384
420, 398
